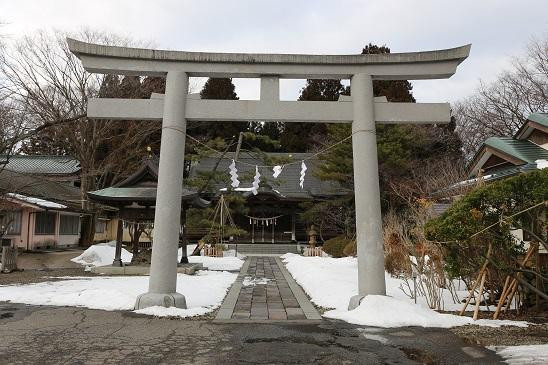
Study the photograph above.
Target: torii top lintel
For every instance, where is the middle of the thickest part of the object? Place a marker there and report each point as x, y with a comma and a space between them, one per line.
390, 66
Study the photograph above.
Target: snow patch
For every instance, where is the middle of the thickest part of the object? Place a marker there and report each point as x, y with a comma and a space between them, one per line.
204, 292
157, 311
249, 281
218, 263
525, 354
541, 164
331, 282
387, 312
101, 254
37, 201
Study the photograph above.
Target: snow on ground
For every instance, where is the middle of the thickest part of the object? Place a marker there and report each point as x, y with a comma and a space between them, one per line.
526, 354
204, 292
102, 254
331, 282
218, 263
250, 281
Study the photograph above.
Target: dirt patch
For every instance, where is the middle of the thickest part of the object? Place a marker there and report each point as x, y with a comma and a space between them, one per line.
535, 334
419, 356
37, 276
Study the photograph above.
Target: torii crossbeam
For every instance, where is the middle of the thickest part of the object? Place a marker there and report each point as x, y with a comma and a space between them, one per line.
176, 107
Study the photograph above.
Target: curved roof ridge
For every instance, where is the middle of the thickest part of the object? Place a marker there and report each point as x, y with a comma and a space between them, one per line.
80, 47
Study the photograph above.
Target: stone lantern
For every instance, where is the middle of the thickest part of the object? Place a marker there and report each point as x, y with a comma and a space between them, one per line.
312, 234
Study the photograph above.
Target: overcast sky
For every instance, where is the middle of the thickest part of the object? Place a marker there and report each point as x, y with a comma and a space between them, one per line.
497, 29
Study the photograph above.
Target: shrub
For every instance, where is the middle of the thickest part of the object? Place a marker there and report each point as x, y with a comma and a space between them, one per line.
335, 246
351, 249
486, 216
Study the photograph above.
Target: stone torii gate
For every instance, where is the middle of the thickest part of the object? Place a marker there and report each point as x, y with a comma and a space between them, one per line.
175, 108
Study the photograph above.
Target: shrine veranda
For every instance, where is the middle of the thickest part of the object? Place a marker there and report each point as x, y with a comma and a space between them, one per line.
175, 108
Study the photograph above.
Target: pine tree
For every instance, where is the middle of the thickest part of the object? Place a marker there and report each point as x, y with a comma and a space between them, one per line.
400, 148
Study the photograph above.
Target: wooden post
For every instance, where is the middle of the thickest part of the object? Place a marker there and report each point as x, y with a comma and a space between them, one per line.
480, 275
503, 295
537, 279
471, 293
252, 231
478, 300
293, 224
514, 284
119, 238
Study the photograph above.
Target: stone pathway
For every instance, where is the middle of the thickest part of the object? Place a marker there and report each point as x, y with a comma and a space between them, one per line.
265, 291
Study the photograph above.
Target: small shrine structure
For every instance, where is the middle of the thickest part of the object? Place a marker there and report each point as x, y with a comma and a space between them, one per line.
135, 199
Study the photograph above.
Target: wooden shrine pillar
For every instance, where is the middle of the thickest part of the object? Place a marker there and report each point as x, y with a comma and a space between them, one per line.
293, 225
119, 238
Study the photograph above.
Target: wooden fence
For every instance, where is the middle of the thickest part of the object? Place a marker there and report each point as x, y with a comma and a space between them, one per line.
9, 259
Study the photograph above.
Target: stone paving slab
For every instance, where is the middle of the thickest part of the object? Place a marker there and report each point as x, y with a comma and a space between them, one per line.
270, 294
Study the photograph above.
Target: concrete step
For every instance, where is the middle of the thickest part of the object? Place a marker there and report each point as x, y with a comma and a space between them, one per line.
263, 248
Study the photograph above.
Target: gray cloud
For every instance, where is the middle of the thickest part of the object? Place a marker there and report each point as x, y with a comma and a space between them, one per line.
498, 29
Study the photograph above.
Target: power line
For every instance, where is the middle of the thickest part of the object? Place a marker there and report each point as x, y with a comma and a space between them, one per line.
322, 151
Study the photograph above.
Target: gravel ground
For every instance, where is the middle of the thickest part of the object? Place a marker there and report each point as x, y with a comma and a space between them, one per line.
535, 334
37, 276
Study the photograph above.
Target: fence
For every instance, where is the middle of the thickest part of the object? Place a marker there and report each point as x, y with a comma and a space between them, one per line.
213, 252
313, 251
9, 259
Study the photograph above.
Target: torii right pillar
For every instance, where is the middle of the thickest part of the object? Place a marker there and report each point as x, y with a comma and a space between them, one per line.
369, 237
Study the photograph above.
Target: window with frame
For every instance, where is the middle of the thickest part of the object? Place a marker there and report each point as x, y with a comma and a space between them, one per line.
12, 222
44, 223
100, 226
69, 224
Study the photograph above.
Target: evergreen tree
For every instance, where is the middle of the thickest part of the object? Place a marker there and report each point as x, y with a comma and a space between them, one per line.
219, 89
401, 149
299, 137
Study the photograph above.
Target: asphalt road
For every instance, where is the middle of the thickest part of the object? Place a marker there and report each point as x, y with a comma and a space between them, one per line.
67, 335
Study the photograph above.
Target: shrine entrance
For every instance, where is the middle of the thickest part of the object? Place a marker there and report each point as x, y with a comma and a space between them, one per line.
176, 107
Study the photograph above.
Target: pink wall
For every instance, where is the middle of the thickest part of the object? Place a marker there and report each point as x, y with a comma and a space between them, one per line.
27, 239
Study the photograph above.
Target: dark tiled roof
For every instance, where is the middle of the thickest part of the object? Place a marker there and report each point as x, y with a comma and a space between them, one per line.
496, 174
286, 185
43, 165
509, 171
113, 194
40, 187
524, 150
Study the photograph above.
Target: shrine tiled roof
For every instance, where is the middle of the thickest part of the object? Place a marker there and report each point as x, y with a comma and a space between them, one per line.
286, 186
524, 150
13, 184
43, 165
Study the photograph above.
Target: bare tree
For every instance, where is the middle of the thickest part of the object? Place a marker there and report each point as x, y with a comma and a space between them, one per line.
47, 85
501, 107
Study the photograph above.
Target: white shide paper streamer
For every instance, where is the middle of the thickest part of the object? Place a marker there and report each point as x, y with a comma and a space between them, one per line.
255, 185
234, 175
303, 171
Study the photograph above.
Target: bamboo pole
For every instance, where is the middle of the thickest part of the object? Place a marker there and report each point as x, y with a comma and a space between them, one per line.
502, 297
514, 285
478, 300
482, 270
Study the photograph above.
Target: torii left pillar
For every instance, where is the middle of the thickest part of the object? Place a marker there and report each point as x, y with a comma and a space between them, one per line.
162, 289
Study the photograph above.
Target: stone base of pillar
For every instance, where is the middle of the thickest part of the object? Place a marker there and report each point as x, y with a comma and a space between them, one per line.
161, 300
355, 302
117, 263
